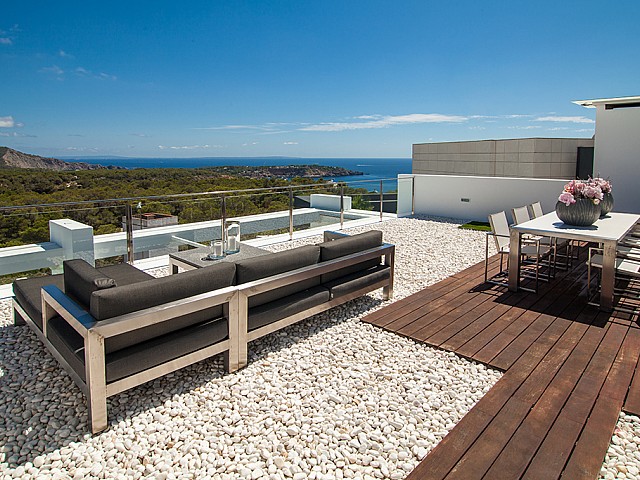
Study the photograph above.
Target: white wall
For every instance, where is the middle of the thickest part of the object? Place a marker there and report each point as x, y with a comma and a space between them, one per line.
617, 154
323, 201
442, 195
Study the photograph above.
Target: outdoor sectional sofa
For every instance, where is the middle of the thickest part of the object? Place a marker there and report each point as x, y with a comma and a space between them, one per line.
115, 327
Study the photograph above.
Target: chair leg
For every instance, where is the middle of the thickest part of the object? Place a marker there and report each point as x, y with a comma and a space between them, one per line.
486, 258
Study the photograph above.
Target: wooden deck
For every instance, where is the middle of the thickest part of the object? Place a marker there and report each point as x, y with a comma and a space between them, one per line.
569, 371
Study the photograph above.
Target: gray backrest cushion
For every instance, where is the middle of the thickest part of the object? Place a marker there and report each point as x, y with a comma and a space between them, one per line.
255, 268
341, 247
250, 269
138, 296
81, 280
330, 235
124, 274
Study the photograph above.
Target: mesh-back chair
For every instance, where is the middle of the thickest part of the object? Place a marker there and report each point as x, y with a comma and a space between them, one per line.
522, 214
536, 210
532, 253
627, 276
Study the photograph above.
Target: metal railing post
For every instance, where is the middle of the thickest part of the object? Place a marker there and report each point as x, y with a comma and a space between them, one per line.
290, 213
341, 205
223, 219
129, 219
381, 200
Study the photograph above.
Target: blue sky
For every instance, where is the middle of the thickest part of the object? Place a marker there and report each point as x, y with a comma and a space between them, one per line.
301, 78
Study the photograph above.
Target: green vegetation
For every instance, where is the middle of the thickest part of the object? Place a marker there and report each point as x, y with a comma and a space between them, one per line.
479, 226
20, 187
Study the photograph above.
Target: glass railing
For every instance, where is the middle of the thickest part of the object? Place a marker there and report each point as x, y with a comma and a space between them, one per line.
35, 239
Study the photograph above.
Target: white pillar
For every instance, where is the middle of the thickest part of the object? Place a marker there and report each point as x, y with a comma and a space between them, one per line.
75, 238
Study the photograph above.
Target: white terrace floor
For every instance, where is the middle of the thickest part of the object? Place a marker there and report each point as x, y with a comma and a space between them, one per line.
330, 397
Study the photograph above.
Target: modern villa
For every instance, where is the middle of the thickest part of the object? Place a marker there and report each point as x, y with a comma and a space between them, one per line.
329, 342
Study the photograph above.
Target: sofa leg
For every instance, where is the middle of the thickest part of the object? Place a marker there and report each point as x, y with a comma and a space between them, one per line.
243, 329
231, 363
243, 354
96, 381
387, 292
17, 319
97, 405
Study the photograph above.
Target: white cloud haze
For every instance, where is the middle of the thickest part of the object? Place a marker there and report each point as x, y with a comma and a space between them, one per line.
383, 121
7, 122
187, 147
565, 119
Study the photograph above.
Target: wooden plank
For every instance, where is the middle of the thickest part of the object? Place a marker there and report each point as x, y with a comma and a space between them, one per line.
512, 352
407, 304
445, 455
589, 452
485, 314
436, 299
483, 453
501, 341
473, 303
563, 363
475, 462
430, 313
554, 306
557, 446
418, 299
515, 457
632, 402
454, 445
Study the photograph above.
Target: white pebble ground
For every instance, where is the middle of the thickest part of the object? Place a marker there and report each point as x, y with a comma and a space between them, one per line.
329, 397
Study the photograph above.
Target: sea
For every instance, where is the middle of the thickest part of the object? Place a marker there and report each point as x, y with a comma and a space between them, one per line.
374, 169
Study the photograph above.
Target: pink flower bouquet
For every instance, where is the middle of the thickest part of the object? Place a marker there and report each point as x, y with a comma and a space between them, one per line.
590, 189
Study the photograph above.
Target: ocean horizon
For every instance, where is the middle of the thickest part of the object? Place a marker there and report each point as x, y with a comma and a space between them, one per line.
373, 169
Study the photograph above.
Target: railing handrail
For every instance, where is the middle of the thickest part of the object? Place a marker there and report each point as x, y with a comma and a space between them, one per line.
226, 193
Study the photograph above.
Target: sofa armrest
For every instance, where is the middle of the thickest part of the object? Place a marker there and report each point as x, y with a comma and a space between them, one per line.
82, 321
55, 301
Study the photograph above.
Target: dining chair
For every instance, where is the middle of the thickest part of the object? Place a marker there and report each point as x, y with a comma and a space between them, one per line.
521, 215
532, 254
536, 210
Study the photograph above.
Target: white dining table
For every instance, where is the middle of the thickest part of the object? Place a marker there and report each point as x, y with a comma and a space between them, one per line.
607, 230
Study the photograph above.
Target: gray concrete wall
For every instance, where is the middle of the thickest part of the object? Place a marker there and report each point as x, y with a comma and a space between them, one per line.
523, 157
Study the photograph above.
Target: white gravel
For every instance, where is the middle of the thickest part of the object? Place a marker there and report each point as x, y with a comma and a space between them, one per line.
329, 397
623, 457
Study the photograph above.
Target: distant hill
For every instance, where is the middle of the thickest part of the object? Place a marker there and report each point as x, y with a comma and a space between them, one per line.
10, 158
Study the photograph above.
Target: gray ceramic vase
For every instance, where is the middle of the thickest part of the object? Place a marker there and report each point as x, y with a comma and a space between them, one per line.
606, 205
580, 214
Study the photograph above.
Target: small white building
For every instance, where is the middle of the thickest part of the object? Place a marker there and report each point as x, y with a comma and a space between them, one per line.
617, 148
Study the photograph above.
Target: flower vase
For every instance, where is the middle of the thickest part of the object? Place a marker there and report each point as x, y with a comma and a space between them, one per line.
606, 205
580, 214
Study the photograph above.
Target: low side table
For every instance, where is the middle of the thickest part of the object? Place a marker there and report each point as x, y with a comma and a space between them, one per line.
195, 258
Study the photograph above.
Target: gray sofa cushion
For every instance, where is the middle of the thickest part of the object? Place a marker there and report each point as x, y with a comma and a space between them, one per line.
27, 290
255, 268
278, 309
143, 356
27, 293
357, 280
329, 235
81, 280
341, 247
124, 274
120, 300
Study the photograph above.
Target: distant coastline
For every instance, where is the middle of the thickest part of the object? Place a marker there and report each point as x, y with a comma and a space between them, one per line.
373, 169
